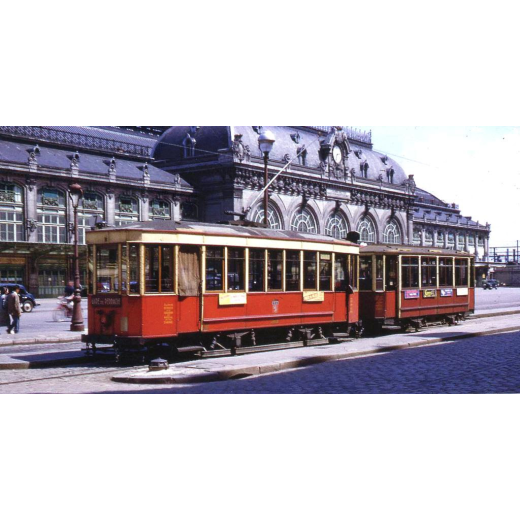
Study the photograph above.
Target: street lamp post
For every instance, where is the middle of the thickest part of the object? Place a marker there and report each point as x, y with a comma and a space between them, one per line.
77, 325
266, 142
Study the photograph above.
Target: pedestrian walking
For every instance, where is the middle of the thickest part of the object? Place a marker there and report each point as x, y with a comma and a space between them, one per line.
15, 310
4, 315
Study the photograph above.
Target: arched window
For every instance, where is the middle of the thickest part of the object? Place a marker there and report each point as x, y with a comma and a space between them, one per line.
161, 210
11, 213
392, 233
52, 212
91, 211
304, 222
273, 217
127, 210
367, 230
336, 226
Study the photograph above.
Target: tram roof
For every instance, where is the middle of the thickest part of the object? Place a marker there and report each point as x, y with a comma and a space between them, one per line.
166, 227
412, 250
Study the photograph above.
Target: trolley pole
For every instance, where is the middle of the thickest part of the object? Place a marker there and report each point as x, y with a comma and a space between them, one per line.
77, 325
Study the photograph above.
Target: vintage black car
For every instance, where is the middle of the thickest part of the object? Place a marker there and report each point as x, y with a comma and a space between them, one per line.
491, 284
27, 300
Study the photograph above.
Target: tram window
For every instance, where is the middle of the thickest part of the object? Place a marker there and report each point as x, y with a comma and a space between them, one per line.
410, 272
124, 264
215, 269
133, 264
325, 272
107, 263
310, 267
461, 272
236, 269
365, 273
429, 272
379, 273
472, 273
391, 273
151, 269
256, 270
353, 271
274, 270
90, 269
445, 272
167, 271
292, 271
340, 273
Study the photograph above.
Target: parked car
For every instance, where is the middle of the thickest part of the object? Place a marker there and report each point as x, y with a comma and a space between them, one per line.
27, 300
490, 284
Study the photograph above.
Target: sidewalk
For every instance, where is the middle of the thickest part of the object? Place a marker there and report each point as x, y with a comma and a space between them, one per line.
218, 369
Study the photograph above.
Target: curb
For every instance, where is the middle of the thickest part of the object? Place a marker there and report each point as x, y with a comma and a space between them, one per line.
243, 372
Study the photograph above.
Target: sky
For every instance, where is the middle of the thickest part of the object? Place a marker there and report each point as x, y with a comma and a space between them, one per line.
477, 167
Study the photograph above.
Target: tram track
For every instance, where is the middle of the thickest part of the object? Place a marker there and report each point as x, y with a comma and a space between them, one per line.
66, 375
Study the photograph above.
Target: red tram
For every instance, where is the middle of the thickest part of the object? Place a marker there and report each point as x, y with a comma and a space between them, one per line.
217, 288
413, 286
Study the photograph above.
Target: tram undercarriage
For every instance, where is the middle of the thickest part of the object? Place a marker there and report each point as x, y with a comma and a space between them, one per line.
221, 344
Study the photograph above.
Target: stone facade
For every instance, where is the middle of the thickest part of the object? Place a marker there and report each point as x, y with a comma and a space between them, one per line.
327, 180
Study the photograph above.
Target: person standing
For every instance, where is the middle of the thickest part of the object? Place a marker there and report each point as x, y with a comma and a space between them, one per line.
4, 315
15, 310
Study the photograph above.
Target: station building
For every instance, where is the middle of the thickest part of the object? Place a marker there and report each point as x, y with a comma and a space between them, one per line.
333, 182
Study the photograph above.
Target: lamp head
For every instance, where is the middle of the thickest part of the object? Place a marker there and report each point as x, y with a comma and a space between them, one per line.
266, 142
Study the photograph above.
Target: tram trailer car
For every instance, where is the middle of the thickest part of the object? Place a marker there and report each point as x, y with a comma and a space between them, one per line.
412, 287
194, 287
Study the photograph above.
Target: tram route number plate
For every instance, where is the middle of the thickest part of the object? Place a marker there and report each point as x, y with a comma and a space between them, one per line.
106, 300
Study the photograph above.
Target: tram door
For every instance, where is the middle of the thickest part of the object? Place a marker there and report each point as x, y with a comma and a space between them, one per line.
189, 289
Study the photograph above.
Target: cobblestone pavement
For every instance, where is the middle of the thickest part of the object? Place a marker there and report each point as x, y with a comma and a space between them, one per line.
480, 365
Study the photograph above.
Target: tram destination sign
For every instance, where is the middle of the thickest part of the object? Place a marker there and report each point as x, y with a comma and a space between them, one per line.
106, 300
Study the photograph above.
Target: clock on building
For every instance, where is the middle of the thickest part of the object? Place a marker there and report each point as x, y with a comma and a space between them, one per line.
337, 154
